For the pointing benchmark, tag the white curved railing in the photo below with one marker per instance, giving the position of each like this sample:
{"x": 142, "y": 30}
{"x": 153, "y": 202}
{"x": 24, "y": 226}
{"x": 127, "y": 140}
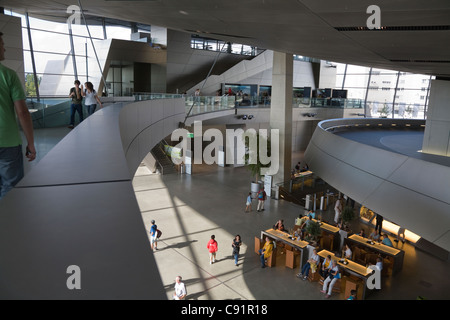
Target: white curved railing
{"x": 408, "y": 189}
{"x": 77, "y": 208}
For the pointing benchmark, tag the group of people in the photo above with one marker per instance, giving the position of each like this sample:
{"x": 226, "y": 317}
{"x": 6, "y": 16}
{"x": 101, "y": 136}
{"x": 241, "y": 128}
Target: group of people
{"x": 261, "y": 196}
{"x": 212, "y": 247}
{"x": 77, "y": 94}
{"x": 12, "y": 105}
{"x": 329, "y": 270}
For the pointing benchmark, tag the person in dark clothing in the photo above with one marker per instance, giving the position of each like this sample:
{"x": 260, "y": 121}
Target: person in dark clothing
{"x": 379, "y": 224}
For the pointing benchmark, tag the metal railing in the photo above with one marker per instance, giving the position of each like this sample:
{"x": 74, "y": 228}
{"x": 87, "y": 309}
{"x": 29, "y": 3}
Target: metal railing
{"x": 50, "y": 112}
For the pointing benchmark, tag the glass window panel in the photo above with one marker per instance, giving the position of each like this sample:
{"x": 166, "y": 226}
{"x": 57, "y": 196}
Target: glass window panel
{"x": 50, "y": 42}
{"x": 28, "y": 67}
{"x": 356, "y": 93}
{"x": 47, "y": 25}
{"x": 339, "y": 79}
{"x": 25, "y": 41}
{"x": 53, "y": 63}
{"x": 414, "y": 81}
{"x": 352, "y": 69}
{"x": 114, "y": 32}
{"x": 81, "y": 30}
{"x": 356, "y": 81}
{"x": 380, "y": 102}
{"x": 377, "y": 71}
{"x": 340, "y": 68}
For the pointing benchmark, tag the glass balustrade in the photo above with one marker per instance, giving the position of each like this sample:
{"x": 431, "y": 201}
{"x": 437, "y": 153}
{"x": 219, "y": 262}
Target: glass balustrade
{"x": 55, "y": 111}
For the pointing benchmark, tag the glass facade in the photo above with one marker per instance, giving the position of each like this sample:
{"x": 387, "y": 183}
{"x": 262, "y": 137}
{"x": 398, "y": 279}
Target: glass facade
{"x": 55, "y": 66}
{"x": 201, "y": 43}
{"x": 387, "y": 93}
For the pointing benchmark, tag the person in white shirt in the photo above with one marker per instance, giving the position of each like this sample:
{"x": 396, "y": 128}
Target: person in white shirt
{"x": 337, "y": 209}
{"x": 90, "y": 98}
{"x": 333, "y": 276}
{"x": 347, "y": 252}
{"x": 180, "y": 289}
{"x": 312, "y": 263}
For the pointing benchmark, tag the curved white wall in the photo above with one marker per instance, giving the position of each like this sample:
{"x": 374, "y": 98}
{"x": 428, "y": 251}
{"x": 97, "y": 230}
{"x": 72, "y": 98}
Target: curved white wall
{"x": 409, "y": 191}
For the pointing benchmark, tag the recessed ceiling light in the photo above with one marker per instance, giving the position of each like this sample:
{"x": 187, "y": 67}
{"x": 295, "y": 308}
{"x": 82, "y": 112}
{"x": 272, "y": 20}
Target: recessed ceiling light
{"x": 183, "y": 12}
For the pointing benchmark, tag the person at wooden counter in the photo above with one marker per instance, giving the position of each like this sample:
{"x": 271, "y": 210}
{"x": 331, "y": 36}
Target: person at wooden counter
{"x": 329, "y": 282}
{"x": 375, "y": 236}
{"x": 311, "y": 213}
{"x": 266, "y": 251}
{"x": 325, "y": 268}
{"x": 386, "y": 241}
{"x": 347, "y": 252}
{"x": 312, "y": 263}
{"x": 379, "y": 263}
{"x": 280, "y": 226}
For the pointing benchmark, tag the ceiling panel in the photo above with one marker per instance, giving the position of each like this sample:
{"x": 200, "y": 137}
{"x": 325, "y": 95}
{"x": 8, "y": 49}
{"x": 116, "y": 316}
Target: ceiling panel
{"x": 305, "y": 27}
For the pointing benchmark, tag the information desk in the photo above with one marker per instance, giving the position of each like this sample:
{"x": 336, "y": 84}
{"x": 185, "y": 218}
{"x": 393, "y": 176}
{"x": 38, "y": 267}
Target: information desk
{"x": 396, "y": 255}
{"x": 353, "y": 268}
{"x": 284, "y": 237}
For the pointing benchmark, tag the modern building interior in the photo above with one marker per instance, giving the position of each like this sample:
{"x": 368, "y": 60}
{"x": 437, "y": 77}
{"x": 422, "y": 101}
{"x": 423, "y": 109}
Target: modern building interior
{"x": 354, "y": 98}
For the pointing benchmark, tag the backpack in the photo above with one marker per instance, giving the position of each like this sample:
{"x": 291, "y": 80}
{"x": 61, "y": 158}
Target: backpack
{"x": 158, "y": 233}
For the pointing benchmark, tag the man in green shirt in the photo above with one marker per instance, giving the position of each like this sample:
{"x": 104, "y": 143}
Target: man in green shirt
{"x": 12, "y": 102}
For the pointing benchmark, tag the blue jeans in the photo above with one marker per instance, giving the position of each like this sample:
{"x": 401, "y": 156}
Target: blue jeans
{"x": 263, "y": 263}
{"x": 78, "y": 108}
{"x": 91, "y": 108}
{"x": 236, "y": 256}
{"x": 11, "y": 168}
{"x": 305, "y": 270}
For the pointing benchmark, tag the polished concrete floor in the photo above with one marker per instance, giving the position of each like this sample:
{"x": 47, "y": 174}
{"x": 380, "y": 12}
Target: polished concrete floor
{"x": 190, "y": 208}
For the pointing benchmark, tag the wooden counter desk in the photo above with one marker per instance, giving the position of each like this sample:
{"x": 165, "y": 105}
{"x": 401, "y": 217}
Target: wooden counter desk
{"x": 395, "y": 255}
{"x": 353, "y": 268}
{"x": 284, "y": 237}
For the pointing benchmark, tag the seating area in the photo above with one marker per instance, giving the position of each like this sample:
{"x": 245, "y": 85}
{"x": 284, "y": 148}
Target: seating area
{"x": 349, "y": 280}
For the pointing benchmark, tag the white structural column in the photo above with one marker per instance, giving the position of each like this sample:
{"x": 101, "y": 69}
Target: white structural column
{"x": 281, "y": 111}
{"x": 437, "y": 130}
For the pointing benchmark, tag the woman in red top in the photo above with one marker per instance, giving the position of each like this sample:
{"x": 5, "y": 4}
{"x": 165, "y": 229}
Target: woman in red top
{"x": 212, "y": 248}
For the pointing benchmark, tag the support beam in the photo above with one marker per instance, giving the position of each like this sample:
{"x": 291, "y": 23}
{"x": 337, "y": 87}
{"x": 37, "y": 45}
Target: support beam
{"x": 281, "y": 110}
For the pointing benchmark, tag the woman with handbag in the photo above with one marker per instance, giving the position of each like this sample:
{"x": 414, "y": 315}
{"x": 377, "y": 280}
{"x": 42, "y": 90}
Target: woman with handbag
{"x": 237, "y": 242}
{"x": 333, "y": 276}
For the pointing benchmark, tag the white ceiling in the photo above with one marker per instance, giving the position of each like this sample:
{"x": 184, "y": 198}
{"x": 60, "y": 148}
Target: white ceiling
{"x": 305, "y": 27}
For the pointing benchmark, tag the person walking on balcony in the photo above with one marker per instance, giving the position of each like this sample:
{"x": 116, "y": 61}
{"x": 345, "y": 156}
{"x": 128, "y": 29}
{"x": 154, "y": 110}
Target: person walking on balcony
{"x": 197, "y": 97}
{"x": 12, "y": 103}
{"x": 90, "y": 98}
{"x": 76, "y": 106}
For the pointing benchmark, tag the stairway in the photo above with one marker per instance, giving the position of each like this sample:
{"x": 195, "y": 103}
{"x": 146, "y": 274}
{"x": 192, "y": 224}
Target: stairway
{"x": 165, "y": 164}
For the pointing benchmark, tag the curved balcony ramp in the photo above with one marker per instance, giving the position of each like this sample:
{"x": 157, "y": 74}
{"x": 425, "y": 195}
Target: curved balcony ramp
{"x": 77, "y": 207}
{"x": 408, "y": 188}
